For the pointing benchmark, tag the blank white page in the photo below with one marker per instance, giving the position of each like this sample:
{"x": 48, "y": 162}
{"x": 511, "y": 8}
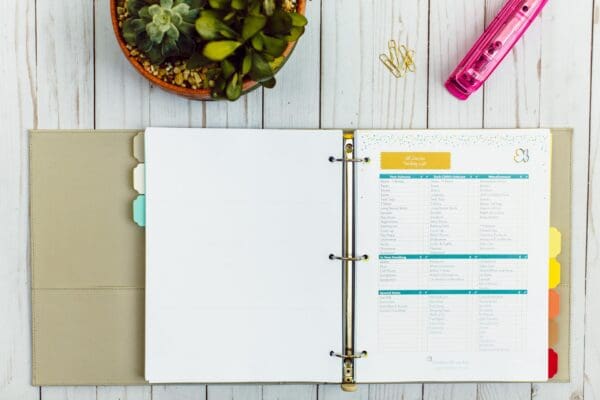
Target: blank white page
{"x": 239, "y": 226}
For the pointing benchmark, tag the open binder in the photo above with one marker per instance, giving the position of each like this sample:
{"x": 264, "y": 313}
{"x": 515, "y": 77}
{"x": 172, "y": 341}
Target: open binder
{"x": 88, "y": 291}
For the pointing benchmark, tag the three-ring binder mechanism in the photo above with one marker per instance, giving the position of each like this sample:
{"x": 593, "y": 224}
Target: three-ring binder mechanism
{"x": 348, "y": 260}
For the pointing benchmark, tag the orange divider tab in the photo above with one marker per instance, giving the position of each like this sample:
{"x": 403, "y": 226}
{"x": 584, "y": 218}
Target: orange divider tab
{"x": 415, "y": 160}
{"x": 552, "y": 363}
{"x": 553, "y": 304}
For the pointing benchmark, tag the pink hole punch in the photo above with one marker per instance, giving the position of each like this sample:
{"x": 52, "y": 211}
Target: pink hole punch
{"x": 493, "y": 46}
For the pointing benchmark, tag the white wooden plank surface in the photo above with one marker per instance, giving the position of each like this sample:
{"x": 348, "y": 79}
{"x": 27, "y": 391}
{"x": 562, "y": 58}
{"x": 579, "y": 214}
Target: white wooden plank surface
{"x": 289, "y": 392}
{"x": 69, "y": 393}
{"x": 454, "y": 26}
{"x": 512, "y": 95}
{"x": 592, "y": 300}
{"x": 17, "y": 114}
{"x": 357, "y": 90}
{"x": 333, "y": 392}
{"x": 178, "y": 392}
{"x": 234, "y": 392}
{"x": 396, "y": 391}
{"x": 123, "y": 393}
{"x": 546, "y": 81}
{"x": 65, "y": 63}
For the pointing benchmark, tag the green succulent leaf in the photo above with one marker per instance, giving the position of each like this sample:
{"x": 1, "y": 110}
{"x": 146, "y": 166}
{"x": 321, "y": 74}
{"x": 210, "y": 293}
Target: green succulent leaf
{"x": 186, "y": 28}
{"x": 144, "y": 13}
{"x": 132, "y": 28}
{"x": 144, "y": 43}
{"x": 254, "y": 7}
{"x": 295, "y": 33}
{"x": 196, "y": 4}
{"x": 261, "y": 70}
{"x": 134, "y": 6}
{"x": 280, "y": 23}
{"x": 277, "y": 63}
{"x": 169, "y": 47}
{"x": 210, "y": 27}
{"x": 234, "y": 88}
{"x": 154, "y": 32}
{"x": 227, "y": 18}
{"x": 173, "y": 33}
{"x": 252, "y": 25}
{"x": 228, "y": 68}
{"x": 166, "y": 3}
{"x": 197, "y": 60}
{"x": 190, "y": 16}
{"x": 219, "y": 4}
{"x": 238, "y": 4}
{"x": 154, "y": 9}
{"x": 273, "y": 46}
{"x": 207, "y": 25}
{"x": 220, "y": 49}
{"x": 176, "y": 19}
{"x": 269, "y": 7}
{"x": 228, "y": 33}
{"x": 155, "y": 55}
{"x": 163, "y": 20}
{"x": 246, "y": 64}
{"x": 181, "y": 9}
{"x": 298, "y": 19}
{"x": 257, "y": 42}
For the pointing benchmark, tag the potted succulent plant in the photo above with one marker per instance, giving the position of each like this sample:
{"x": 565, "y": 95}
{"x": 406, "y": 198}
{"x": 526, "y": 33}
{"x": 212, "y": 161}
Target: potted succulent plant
{"x": 208, "y": 49}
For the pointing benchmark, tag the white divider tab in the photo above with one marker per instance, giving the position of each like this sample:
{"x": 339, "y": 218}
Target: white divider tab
{"x": 139, "y": 179}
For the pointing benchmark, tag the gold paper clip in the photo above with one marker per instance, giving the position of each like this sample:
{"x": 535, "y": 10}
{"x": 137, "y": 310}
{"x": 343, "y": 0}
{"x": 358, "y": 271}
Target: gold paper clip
{"x": 408, "y": 58}
{"x": 393, "y": 48}
{"x": 390, "y": 65}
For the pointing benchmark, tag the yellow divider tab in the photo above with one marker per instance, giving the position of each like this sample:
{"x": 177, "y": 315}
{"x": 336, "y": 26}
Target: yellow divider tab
{"x": 554, "y": 273}
{"x": 555, "y": 242}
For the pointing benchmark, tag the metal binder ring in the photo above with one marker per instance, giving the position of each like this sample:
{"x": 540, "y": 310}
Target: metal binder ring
{"x": 353, "y": 160}
{"x": 362, "y": 354}
{"x": 364, "y": 257}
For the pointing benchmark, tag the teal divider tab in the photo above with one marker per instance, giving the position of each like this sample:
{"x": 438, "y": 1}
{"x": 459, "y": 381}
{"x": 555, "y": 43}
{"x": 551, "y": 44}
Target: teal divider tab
{"x": 139, "y": 210}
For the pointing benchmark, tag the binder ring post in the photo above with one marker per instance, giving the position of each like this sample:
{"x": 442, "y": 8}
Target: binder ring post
{"x": 348, "y": 259}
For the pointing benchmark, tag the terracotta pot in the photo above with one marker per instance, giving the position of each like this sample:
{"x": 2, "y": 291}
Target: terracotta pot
{"x": 196, "y": 94}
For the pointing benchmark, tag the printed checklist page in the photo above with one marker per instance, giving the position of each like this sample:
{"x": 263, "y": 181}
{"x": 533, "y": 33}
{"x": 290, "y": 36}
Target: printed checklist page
{"x": 456, "y": 226}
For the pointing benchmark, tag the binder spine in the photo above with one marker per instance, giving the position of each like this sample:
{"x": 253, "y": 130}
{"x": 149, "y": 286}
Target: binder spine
{"x": 348, "y": 260}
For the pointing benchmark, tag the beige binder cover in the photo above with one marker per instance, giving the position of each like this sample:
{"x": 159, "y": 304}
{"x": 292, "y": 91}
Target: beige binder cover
{"x": 87, "y": 257}
{"x": 87, "y": 260}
